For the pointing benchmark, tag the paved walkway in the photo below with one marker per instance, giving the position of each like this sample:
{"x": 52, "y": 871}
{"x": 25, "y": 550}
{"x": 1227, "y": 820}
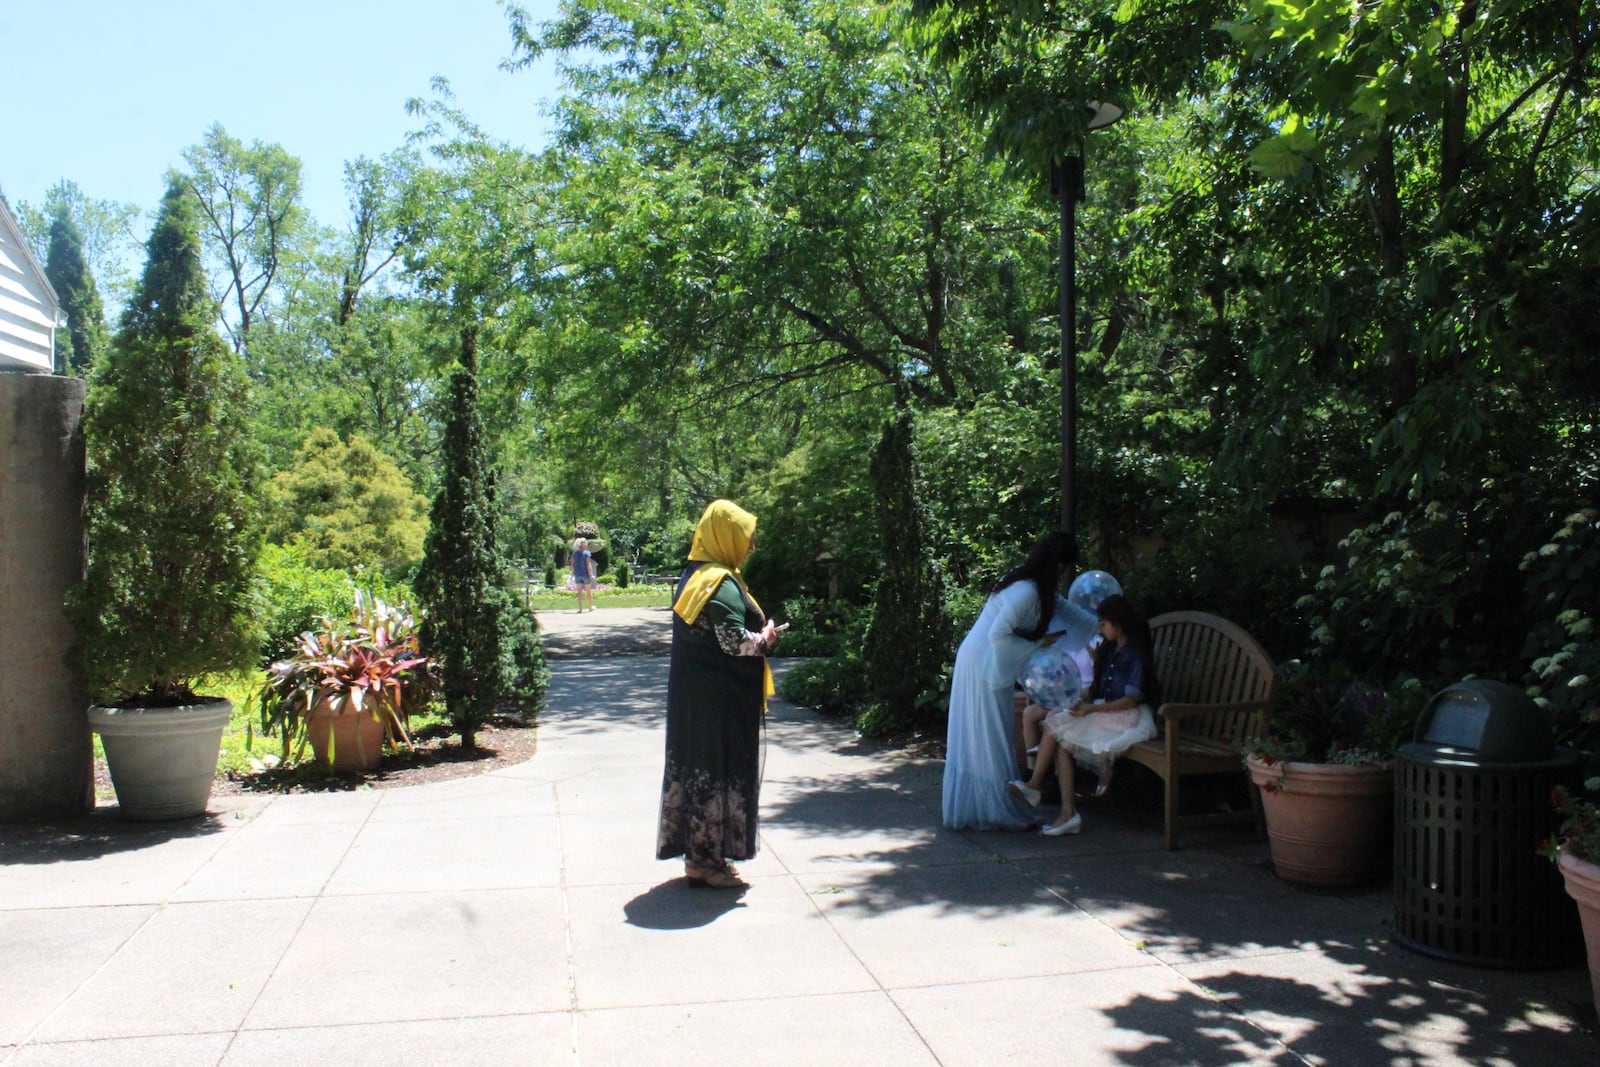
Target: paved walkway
{"x": 519, "y": 917}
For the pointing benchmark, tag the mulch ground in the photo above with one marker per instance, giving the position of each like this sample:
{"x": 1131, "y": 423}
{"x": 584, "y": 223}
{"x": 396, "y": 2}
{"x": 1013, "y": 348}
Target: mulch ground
{"x": 510, "y": 738}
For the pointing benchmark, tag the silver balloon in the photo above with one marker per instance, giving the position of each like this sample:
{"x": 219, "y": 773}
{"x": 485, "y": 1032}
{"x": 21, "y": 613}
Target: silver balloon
{"x": 1091, "y": 587}
{"x": 1051, "y": 677}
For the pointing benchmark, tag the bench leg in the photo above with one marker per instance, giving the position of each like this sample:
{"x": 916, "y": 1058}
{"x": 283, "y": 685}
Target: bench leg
{"x": 1261, "y": 815}
{"x": 1170, "y": 810}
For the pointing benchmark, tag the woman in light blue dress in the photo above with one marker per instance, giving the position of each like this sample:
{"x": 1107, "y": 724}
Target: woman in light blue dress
{"x": 980, "y": 754}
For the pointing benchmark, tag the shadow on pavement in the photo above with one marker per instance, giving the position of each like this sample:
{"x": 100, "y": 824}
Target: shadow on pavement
{"x": 672, "y": 905}
{"x": 101, "y": 833}
{"x": 1368, "y": 1004}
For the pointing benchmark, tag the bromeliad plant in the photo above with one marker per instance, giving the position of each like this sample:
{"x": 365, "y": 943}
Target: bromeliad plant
{"x": 367, "y": 664}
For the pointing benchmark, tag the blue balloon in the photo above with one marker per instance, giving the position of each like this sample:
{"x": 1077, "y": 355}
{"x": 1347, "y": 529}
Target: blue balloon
{"x": 1091, "y": 587}
{"x": 1050, "y": 677}
{"x": 1077, "y": 626}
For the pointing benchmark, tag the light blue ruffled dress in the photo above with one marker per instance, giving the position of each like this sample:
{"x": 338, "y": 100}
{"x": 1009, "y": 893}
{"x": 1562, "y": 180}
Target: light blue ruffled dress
{"x": 980, "y": 756}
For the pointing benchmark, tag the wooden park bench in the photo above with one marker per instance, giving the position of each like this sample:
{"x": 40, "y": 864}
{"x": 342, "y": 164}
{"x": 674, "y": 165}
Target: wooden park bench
{"x": 1216, "y": 682}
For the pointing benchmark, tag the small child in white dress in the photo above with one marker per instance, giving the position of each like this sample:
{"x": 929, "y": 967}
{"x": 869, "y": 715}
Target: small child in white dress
{"x": 1094, "y": 733}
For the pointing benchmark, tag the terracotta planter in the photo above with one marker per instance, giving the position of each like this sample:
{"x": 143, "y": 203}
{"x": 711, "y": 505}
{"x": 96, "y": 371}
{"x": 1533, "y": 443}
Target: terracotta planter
{"x": 1328, "y": 825}
{"x": 1583, "y": 886}
{"x": 162, "y": 760}
{"x": 352, "y": 741}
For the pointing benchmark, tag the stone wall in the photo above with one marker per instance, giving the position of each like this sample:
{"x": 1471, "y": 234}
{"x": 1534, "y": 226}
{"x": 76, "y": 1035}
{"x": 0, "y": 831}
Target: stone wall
{"x": 46, "y": 753}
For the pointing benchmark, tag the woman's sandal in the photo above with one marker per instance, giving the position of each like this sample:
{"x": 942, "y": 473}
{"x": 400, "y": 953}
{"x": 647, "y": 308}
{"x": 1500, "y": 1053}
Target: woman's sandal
{"x": 713, "y": 876}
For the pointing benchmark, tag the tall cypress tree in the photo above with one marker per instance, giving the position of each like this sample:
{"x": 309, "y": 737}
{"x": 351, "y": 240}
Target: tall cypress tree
{"x": 170, "y": 488}
{"x": 459, "y": 583}
{"x": 908, "y": 638}
{"x": 69, "y": 274}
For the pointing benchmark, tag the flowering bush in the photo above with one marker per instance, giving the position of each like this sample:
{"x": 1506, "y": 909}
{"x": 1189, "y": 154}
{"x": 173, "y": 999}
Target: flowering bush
{"x": 1326, "y": 716}
{"x": 1579, "y": 832}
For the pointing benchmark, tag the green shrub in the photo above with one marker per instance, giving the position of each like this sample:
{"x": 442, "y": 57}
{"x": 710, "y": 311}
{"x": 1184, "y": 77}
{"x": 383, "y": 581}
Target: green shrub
{"x": 292, "y": 595}
{"x": 816, "y": 627}
{"x": 908, "y": 634}
{"x": 1563, "y": 579}
{"x": 834, "y": 686}
{"x": 464, "y": 628}
{"x": 349, "y": 506}
{"x": 529, "y": 676}
{"x": 550, "y": 576}
{"x": 623, "y": 574}
{"x": 170, "y": 493}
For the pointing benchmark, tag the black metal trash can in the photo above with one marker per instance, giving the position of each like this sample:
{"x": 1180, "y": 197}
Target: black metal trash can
{"x": 1472, "y": 806}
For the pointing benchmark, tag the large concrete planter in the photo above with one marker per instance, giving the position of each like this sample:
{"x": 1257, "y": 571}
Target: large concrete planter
{"x": 162, "y": 760}
{"x": 1583, "y": 886}
{"x": 1328, "y": 824}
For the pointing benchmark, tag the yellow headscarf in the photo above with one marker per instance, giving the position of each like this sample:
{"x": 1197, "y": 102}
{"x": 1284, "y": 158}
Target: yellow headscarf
{"x": 721, "y": 541}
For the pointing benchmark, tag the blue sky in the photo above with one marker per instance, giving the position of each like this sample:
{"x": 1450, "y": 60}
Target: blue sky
{"x": 108, "y": 93}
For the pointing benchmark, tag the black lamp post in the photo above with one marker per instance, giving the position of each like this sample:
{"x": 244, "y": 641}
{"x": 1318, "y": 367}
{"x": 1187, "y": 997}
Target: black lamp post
{"x": 1066, "y": 183}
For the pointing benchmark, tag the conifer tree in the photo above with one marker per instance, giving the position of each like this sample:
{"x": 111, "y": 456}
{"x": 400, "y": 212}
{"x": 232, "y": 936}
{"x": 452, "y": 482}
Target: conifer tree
{"x": 69, "y": 274}
{"x": 170, "y": 488}
{"x": 908, "y": 637}
{"x": 465, "y": 627}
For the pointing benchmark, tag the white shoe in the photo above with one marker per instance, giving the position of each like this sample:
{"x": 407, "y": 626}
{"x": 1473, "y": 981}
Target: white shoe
{"x": 1023, "y": 791}
{"x": 1071, "y": 826}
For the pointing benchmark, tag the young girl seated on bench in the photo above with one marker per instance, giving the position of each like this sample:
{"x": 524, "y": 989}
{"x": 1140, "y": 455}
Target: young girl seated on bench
{"x": 1116, "y": 717}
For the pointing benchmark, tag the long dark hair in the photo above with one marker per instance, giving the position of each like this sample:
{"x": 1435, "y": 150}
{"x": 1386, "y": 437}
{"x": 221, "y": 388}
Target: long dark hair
{"x": 1120, "y": 612}
{"x": 1046, "y": 560}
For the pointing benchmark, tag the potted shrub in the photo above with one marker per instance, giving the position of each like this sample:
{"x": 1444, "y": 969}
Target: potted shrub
{"x": 347, "y": 687}
{"x": 169, "y": 500}
{"x": 1576, "y": 850}
{"x": 1324, "y": 765}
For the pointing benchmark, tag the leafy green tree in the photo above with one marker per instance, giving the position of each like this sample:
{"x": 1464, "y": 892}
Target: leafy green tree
{"x": 1383, "y": 208}
{"x": 171, "y": 501}
{"x": 80, "y": 298}
{"x": 105, "y": 227}
{"x": 348, "y": 506}
{"x": 760, "y": 222}
{"x": 468, "y": 613}
{"x": 249, "y": 198}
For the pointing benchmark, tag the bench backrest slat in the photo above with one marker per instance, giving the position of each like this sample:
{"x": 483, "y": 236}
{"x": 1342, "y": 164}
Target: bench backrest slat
{"x": 1205, "y": 659}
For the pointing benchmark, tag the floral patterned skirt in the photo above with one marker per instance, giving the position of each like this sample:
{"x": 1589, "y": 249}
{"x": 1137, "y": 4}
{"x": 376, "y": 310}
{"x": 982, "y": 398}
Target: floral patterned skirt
{"x": 705, "y": 818}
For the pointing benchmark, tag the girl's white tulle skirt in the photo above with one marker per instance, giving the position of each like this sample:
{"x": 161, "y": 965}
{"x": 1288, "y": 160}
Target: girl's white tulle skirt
{"x": 1098, "y": 738}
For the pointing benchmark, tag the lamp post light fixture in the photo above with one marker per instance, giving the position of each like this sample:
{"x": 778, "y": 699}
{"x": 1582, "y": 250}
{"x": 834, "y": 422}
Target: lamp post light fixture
{"x": 1066, "y": 184}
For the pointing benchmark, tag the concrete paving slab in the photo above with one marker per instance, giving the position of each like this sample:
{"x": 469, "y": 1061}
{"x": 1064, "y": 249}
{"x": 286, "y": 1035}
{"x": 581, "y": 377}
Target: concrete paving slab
{"x": 670, "y": 944}
{"x": 1194, "y": 904}
{"x": 191, "y": 969}
{"x": 106, "y": 861}
{"x": 1144, "y": 1015}
{"x": 344, "y": 808}
{"x": 842, "y": 1029}
{"x": 417, "y": 956}
{"x": 993, "y": 921}
{"x": 126, "y": 1052}
{"x": 425, "y": 856}
{"x": 74, "y": 942}
{"x": 484, "y": 796}
{"x": 263, "y": 862}
{"x": 492, "y": 1041}
{"x": 609, "y": 849}
{"x": 797, "y": 831}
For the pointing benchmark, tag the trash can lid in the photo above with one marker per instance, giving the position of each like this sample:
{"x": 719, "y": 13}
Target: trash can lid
{"x": 1487, "y": 720}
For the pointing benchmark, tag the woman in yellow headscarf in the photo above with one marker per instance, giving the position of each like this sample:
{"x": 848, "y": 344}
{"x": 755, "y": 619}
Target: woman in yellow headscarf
{"x": 716, "y": 692}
